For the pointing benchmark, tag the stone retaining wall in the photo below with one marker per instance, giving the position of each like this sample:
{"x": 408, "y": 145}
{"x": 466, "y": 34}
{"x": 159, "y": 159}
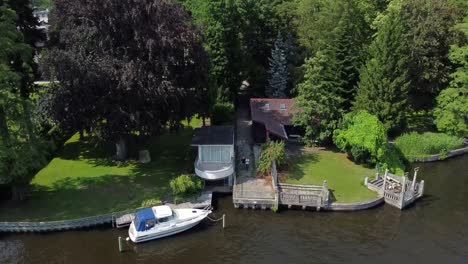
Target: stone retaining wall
{"x": 51, "y": 226}
{"x": 437, "y": 157}
{"x": 355, "y": 206}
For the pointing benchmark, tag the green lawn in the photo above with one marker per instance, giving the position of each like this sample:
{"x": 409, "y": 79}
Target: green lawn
{"x": 82, "y": 180}
{"x": 345, "y": 178}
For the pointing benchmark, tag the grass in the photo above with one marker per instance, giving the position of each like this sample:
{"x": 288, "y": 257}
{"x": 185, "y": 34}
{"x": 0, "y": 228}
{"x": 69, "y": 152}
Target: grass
{"x": 345, "y": 179}
{"x": 83, "y": 181}
{"x": 414, "y": 145}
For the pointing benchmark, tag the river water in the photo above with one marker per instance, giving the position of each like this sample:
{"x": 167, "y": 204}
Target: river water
{"x": 434, "y": 230}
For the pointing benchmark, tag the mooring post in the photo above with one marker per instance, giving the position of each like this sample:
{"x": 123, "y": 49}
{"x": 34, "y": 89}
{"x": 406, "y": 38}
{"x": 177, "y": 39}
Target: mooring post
{"x": 121, "y": 245}
{"x": 224, "y": 221}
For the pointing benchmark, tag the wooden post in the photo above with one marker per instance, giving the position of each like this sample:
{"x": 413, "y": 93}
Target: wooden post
{"x": 403, "y": 190}
{"x": 224, "y": 221}
{"x": 121, "y": 245}
{"x": 413, "y": 184}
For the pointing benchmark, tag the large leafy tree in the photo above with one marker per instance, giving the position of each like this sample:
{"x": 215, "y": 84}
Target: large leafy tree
{"x": 452, "y": 104}
{"x": 219, "y": 21}
{"x": 429, "y": 34}
{"x": 125, "y": 67}
{"x": 21, "y": 153}
{"x": 384, "y": 83}
{"x": 259, "y": 25}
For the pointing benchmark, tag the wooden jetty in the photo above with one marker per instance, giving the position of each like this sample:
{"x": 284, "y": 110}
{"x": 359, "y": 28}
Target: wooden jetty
{"x": 397, "y": 191}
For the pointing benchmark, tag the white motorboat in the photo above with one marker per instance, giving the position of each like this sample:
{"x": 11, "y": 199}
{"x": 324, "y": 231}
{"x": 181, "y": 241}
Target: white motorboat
{"x": 162, "y": 221}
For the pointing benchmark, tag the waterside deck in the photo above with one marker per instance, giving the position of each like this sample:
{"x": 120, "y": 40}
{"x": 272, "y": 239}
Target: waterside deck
{"x": 397, "y": 191}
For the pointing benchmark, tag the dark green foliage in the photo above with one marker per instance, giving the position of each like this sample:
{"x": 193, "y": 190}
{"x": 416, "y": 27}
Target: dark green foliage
{"x": 258, "y": 24}
{"x": 331, "y": 75}
{"x": 122, "y": 74}
{"x": 414, "y": 145}
{"x": 319, "y": 97}
{"x": 239, "y": 36}
{"x": 222, "y": 113}
{"x": 22, "y": 154}
{"x": 316, "y": 20}
{"x": 360, "y": 154}
{"x": 429, "y": 26}
{"x": 279, "y": 75}
{"x": 452, "y": 104}
{"x": 271, "y": 152}
{"x": 219, "y": 21}
{"x": 384, "y": 82}
{"x": 186, "y": 185}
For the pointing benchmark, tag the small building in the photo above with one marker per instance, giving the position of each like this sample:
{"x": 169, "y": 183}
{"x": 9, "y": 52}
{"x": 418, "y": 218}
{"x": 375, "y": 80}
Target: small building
{"x": 215, "y": 160}
{"x": 272, "y": 120}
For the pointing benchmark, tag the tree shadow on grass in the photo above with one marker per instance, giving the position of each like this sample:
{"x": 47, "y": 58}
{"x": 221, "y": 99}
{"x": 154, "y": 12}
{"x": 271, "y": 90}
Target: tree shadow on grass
{"x": 74, "y": 197}
{"x": 81, "y": 197}
{"x": 332, "y": 197}
{"x": 296, "y": 168}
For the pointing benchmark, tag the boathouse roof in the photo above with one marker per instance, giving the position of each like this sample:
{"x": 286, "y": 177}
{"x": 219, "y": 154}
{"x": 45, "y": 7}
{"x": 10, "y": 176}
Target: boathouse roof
{"x": 273, "y": 113}
{"x": 213, "y": 135}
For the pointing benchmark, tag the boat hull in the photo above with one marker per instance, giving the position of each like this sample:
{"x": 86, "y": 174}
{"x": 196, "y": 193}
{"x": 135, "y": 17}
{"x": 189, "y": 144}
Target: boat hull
{"x": 169, "y": 230}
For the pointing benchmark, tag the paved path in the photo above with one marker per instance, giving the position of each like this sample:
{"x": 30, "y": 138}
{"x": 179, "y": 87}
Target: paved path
{"x": 247, "y": 181}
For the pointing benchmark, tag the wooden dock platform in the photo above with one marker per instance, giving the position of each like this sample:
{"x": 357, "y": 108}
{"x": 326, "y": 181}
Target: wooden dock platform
{"x": 397, "y": 191}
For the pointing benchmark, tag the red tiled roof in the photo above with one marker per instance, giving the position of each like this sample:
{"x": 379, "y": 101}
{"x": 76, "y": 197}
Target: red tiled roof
{"x": 273, "y": 117}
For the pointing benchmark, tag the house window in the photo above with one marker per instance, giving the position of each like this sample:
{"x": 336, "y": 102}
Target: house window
{"x": 219, "y": 154}
{"x": 267, "y": 106}
{"x": 283, "y": 106}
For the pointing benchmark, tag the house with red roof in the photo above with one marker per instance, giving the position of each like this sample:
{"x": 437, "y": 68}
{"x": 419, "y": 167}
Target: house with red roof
{"x": 272, "y": 119}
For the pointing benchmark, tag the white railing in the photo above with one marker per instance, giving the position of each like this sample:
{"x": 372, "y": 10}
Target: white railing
{"x": 212, "y": 174}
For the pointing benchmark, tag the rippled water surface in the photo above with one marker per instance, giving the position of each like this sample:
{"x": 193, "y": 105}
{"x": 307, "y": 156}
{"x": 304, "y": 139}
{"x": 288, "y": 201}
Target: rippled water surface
{"x": 434, "y": 230}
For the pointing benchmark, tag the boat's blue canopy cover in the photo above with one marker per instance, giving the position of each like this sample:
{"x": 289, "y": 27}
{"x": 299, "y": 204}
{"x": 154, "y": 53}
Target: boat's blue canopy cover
{"x": 142, "y": 217}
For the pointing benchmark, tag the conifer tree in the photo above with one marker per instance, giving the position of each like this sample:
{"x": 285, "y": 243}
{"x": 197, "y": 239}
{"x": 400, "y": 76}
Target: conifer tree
{"x": 383, "y": 85}
{"x": 319, "y": 97}
{"x": 279, "y": 75}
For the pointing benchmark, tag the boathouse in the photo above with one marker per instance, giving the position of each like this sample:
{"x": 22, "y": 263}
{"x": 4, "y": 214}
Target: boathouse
{"x": 215, "y": 149}
{"x": 272, "y": 120}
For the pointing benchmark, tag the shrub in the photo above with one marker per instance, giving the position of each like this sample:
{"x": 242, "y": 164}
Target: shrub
{"x": 150, "y": 203}
{"x": 414, "y": 145}
{"x": 392, "y": 159}
{"x": 222, "y": 112}
{"x": 452, "y": 111}
{"x": 362, "y": 132}
{"x": 186, "y": 185}
{"x": 360, "y": 154}
{"x": 271, "y": 151}
{"x": 364, "y": 138}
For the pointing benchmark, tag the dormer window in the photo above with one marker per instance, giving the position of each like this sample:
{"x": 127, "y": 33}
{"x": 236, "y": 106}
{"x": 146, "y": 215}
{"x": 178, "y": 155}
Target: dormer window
{"x": 282, "y": 107}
